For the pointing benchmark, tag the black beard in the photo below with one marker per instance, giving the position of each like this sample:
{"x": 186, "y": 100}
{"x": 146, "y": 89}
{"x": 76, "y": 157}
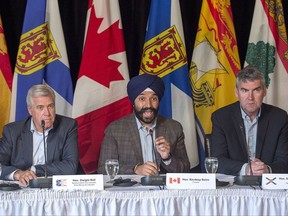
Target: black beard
{"x": 139, "y": 114}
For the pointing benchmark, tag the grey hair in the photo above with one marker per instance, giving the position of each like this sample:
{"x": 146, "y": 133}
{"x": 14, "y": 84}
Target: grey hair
{"x": 250, "y": 73}
{"x": 41, "y": 90}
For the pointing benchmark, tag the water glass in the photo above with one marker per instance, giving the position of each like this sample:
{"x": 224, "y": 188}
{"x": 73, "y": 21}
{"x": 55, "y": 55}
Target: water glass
{"x": 211, "y": 164}
{"x": 112, "y": 168}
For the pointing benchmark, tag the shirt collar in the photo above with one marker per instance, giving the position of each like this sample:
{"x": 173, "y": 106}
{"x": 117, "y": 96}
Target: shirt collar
{"x": 140, "y": 125}
{"x": 245, "y": 116}
{"x": 33, "y": 128}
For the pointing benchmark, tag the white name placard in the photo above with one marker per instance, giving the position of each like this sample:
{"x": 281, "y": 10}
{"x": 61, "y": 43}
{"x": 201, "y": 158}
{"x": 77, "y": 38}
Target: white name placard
{"x": 87, "y": 182}
{"x": 274, "y": 181}
{"x": 190, "y": 181}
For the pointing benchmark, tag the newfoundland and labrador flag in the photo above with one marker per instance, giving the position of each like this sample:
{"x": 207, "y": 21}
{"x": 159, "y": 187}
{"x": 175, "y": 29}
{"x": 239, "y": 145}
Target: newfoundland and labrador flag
{"x": 5, "y": 80}
{"x": 164, "y": 55}
{"x": 41, "y": 58}
{"x": 215, "y": 62}
{"x": 100, "y": 95}
{"x": 268, "y": 50}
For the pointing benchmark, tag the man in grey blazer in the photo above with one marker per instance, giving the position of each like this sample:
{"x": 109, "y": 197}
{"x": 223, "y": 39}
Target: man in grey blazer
{"x": 144, "y": 142}
{"x": 248, "y": 136}
{"x": 22, "y": 145}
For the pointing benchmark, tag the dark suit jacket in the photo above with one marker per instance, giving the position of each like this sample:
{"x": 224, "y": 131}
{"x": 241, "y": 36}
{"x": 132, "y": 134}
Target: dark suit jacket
{"x": 16, "y": 147}
{"x": 227, "y": 140}
{"x": 122, "y": 142}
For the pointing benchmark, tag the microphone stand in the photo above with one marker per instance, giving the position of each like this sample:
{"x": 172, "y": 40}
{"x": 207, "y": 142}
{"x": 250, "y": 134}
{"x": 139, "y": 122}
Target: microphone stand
{"x": 156, "y": 180}
{"x": 246, "y": 145}
{"x": 45, "y": 146}
{"x": 247, "y": 179}
{"x": 42, "y": 182}
{"x": 154, "y": 150}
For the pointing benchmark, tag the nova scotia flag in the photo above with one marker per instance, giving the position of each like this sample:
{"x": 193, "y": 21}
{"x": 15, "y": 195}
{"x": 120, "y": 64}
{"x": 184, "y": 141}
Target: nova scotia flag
{"x": 41, "y": 58}
{"x": 164, "y": 55}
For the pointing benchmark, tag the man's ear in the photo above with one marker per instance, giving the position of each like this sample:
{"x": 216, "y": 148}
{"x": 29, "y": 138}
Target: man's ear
{"x": 236, "y": 92}
{"x": 29, "y": 110}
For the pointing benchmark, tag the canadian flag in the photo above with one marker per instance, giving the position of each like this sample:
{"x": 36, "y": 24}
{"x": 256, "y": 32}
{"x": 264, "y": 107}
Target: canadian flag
{"x": 174, "y": 180}
{"x": 100, "y": 95}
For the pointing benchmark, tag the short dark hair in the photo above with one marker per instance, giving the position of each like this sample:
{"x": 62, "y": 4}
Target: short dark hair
{"x": 250, "y": 73}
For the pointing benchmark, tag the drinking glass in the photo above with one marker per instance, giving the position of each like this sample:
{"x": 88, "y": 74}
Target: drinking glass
{"x": 112, "y": 168}
{"x": 211, "y": 164}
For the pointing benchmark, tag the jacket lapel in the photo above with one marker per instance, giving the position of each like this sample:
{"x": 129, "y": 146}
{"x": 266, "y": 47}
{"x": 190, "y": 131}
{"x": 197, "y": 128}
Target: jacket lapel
{"x": 52, "y": 140}
{"x": 261, "y": 133}
{"x": 135, "y": 137}
{"x": 27, "y": 142}
{"x": 240, "y": 128}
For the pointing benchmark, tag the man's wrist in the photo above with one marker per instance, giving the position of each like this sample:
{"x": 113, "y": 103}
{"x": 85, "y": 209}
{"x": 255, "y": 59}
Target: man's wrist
{"x": 136, "y": 166}
{"x": 16, "y": 175}
{"x": 168, "y": 158}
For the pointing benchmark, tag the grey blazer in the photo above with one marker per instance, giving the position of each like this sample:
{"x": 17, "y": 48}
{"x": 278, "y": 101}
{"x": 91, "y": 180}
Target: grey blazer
{"x": 122, "y": 142}
{"x": 227, "y": 142}
{"x": 16, "y": 147}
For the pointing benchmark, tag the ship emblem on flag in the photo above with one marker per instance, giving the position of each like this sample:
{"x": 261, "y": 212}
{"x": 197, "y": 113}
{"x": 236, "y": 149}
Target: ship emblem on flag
{"x": 37, "y": 48}
{"x": 163, "y": 53}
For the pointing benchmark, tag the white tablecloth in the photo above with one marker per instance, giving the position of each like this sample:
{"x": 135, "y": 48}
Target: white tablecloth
{"x": 122, "y": 201}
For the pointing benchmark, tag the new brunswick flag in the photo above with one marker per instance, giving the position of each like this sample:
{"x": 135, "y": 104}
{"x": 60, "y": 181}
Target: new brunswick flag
{"x": 164, "y": 55}
{"x": 268, "y": 49}
{"x": 215, "y": 62}
{"x": 41, "y": 58}
{"x": 5, "y": 80}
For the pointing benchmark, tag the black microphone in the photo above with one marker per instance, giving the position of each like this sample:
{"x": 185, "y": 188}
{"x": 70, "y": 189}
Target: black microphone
{"x": 208, "y": 147}
{"x": 42, "y": 182}
{"x": 154, "y": 150}
{"x": 247, "y": 179}
{"x": 246, "y": 145}
{"x": 156, "y": 180}
{"x": 45, "y": 147}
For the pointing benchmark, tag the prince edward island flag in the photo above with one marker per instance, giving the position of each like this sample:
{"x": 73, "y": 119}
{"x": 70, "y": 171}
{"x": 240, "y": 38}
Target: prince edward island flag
{"x": 164, "y": 55}
{"x": 268, "y": 50}
{"x": 41, "y": 58}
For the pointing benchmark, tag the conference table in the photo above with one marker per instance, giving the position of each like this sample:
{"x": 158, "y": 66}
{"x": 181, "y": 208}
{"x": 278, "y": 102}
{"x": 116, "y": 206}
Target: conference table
{"x": 145, "y": 200}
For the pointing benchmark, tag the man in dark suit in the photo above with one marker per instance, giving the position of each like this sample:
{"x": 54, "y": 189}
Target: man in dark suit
{"x": 143, "y": 142}
{"x": 22, "y": 146}
{"x": 250, "y": 137}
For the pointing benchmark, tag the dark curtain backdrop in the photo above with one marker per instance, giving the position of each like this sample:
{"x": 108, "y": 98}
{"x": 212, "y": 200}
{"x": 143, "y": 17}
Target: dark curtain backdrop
{"x": 134, "y": 17}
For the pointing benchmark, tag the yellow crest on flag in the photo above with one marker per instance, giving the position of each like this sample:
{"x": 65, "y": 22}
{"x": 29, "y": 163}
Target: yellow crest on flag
{"x": 37, "y": 48}
{"x": 163, "y": 53}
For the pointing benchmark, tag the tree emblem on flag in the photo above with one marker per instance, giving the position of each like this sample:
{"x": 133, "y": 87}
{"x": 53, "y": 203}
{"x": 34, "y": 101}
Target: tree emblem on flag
{"x": 262, "y": 56}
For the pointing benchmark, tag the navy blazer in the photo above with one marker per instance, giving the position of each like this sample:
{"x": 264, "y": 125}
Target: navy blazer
{"x": 227, "y": 142}
{"x": 16, "y": 147}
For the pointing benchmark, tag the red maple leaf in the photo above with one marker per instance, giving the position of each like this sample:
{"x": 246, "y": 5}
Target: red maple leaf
{"x": 95, "y": 63}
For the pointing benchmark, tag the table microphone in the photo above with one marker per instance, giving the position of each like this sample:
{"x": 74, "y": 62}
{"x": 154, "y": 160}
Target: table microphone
{"x": 247, "y": 179}
{"x": 45, "y": 182}
{"x": 156, "y": 179}
{"x": 154, "y": 150}
{"x": 246, "y": 144}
